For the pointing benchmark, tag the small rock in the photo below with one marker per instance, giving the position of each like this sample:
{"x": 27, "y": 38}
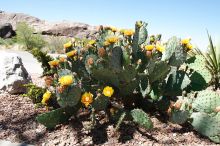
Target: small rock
{"x": 174, "y": 134}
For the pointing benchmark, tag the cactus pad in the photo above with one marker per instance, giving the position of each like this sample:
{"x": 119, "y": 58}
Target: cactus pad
{"x": 160, "y": 71}
{"x": 177, "y": 82}
{"x": 174, "y": 52}
{"x": 206, "y": 101}
{"x": 201, "y": 75}
{"x": 207, "y": 125}
{"x": 100, "y": 103}
{"x": 69, "y": 97}
{"x": 141, "y": 118}
{"x": 179, "y": 116}
{"x": 55, "y": 117}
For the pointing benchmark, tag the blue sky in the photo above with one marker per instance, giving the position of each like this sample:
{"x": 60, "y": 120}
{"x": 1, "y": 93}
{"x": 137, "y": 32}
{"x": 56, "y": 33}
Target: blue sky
{"x": 184, "y": 18}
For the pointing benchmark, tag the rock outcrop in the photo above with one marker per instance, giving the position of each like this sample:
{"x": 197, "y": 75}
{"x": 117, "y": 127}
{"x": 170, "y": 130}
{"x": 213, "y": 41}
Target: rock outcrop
{"x": 6, "y": 30}
{"x": 64, "y": 28}
{"x": 13, "y": 74}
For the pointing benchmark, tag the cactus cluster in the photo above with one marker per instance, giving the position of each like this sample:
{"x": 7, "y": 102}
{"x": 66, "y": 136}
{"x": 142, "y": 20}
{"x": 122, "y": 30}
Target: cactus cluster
{"x": 127, "y": 73}
{"x": 201, "y": 110}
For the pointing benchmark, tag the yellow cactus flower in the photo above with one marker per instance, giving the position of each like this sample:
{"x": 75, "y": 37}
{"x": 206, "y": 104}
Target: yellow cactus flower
{"x": 128, "y": 32}
{"x": 160, "y": 48}
{"x": 106, "y": 43}
{"x": 92, "y": 42}
{"x": 67, "y": 45}
{"x": 66, "y": 80}
{"x": 46, "y": 97}
{"x": 149, "y": 47}
{"x": 113, "y": 29}
{"x": 112, "y": 39}
{"x": 185, "y": 41}
{"x": 53, "y": 63}
{"x": 87, "y": 98}
{"x": 71, "y": 53}
{"x": 108, "y": 91}
{"x": 189, "y": 46}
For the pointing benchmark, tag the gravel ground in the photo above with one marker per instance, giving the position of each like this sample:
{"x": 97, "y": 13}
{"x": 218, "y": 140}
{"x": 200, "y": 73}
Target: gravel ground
{"x": 17, "y": 124}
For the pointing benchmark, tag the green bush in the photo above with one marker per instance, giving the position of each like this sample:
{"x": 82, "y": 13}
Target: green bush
{"x": 34, "y": 92}
{"x": 27, "y": 37}
{"x": 7, "y": 42}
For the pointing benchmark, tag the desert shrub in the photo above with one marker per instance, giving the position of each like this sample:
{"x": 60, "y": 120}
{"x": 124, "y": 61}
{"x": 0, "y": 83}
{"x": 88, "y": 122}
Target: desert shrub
{"x": 26, "y": 36}
{"x": 8, "y": 42}
{"x": 34, "y": 92}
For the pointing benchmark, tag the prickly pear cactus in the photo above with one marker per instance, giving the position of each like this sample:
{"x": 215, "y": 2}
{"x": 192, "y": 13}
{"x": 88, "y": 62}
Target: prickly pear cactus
{"x": 144, "y": 85}
{"x": 201, "y": 75}
{"x": 90, "y": 61}
{"x": 55, "y": 117}
{"x": 141, "y": 118}
{"x": 115, "y": 58}
{"x": 174, "y": 53}
{"x": 123, "y": 79}
{"x": 206, "y": 101}
{"x": 141, "y": 33}
{"x": 177, "y": 82}
{"x": 159, "y": 71}
{"x": 179, "y": 116}
{"x": 139, "y": 37}
{"x": 70, "y": 96}
{"x": 101, "y": 103}
{"x": 207, "y": 125}
{"x": 106, "y": 75}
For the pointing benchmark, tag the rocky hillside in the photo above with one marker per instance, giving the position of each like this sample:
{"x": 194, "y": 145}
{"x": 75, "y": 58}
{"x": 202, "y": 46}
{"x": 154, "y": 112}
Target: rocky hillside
{"x": 64, "y": 28}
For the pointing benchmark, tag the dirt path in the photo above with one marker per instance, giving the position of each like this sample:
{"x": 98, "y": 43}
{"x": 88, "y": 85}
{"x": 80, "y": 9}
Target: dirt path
{"x": 17, "y": 124}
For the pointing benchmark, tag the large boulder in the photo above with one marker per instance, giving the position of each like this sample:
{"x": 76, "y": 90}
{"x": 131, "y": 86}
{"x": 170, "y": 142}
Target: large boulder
{"x": 13, "y": 74}
{"x": 6, "y": 30}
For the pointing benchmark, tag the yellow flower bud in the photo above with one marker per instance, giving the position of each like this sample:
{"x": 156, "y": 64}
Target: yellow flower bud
{"x": 112, "y": 39}
{"x": 160, "y": 48}
{"x": 185, "y": 41}
{"x": 108, "y": 91}
{"x": 46, "y": 97}
{"x": 149, "y": 47}
{"x": 71, "y": 53}
{"x": 92, "y": 42}
{"x": 67, "y": 45}
{"x": 53, "y": 63}
{"x": 128, "y": 32}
